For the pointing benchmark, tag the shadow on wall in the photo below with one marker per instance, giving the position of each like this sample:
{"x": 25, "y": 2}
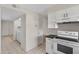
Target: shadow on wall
{"x": 69, "y": 27}
{"x": 64, "y": 27}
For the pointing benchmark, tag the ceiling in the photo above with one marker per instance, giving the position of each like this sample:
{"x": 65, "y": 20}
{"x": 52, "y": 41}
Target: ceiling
{"x": 38, "y": 8}
{"x": 43, "y": 8}
{"x": 10, "y": 14}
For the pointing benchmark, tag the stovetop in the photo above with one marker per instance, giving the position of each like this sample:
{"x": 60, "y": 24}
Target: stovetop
{"x": 60, "y": 37}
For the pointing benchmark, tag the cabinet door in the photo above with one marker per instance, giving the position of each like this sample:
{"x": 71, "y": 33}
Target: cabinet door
{"x": 60, "y": 15}
{"x": 52, "y": 20}
{"x": 49, "y": 45}
{"x": 73, "y": 11}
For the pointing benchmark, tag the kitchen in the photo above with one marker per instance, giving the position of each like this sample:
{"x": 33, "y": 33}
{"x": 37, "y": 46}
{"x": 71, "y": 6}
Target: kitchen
{"x": 53, "y": 31}
{"x": 66, "y": 28}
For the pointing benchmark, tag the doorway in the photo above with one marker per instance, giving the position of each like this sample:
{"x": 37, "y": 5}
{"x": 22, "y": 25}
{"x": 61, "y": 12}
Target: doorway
{"x": 12, "y": 27}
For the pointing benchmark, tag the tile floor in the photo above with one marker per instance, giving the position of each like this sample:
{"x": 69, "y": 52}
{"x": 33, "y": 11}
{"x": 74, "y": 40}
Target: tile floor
{"x": 38, "y": 50}
{"x": 9, "y": 46}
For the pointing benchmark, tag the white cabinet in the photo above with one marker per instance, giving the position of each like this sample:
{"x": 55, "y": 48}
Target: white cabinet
{"x": 62, "y": 16}
{"x": 73, "y": 11}
{"x": 69, "y": 14}
{"x": 65, "y": 15}
{"x": 52, "y": 20}
{"x": 49, "y": 45}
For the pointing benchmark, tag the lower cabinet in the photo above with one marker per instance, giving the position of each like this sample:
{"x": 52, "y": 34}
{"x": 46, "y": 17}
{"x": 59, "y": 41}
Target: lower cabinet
{"x": 49, "y": 45}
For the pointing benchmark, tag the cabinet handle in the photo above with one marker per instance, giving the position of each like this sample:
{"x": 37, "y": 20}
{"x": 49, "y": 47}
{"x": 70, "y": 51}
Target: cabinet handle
{"x": 67, "y": 14}
{"x": 64, "y": 15}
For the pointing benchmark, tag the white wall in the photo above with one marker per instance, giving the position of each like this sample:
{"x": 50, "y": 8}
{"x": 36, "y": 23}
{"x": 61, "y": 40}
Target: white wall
{"x": 34, "y": 28}
{"x": 43, "y": 27}
{"x": 23, "y": 43}
{"x": 31, "y": 31}
{"x": 0, "y": 30}
{"x": 43, "y": 23}
{"x": 6, "y": 28}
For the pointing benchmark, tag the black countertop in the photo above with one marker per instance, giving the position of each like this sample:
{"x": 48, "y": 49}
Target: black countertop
{"x": 63, "y": 38}
{"x": 51, "y": 36}
{"x": 68, "y": 39}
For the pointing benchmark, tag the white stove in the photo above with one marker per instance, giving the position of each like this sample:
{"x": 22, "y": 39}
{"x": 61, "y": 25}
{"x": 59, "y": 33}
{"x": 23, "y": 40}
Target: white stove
{"x": 68, "y": 34}
{"x": 66, "y": 43}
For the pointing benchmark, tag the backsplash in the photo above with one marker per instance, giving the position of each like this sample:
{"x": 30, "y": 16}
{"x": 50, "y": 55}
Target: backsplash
{"x": 69, "y": 27}
{"x": 64, "y": 27}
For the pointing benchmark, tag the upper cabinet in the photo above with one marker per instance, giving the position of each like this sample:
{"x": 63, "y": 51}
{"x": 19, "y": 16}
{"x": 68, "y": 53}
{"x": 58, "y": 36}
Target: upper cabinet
{"x": 63, "y": 16}
{"x": 73, "y": 11}
{"x": 68, "y": 15}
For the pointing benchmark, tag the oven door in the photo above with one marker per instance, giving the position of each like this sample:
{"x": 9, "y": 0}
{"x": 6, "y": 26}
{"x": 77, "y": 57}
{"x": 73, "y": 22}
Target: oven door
{"x": 65, "y": 47}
